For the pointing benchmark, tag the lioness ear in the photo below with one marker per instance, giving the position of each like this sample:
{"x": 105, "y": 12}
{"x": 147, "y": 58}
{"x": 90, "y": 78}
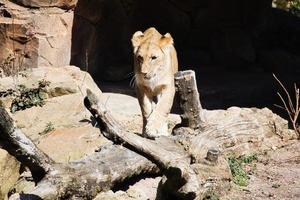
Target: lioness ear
{"x": 166, "y": 40}
{"x": 136, "y": 39}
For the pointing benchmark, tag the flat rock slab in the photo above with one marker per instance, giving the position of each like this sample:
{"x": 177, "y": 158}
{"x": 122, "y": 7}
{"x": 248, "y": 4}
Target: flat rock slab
{"x": 73, "y": 143}
{"x": 73, "y": 130}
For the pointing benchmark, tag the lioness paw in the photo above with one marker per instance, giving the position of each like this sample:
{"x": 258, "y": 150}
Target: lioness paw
{"x": 156, "y": 132}
{"x": 156, "y": 127}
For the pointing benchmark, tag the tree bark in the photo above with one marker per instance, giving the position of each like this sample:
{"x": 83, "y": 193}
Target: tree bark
{"x": 190, "y": 104}
{"x": 85, "y": 178}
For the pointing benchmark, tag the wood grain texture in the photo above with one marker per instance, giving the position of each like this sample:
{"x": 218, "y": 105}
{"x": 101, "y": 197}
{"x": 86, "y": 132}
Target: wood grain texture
{"x": 190, "y": 104}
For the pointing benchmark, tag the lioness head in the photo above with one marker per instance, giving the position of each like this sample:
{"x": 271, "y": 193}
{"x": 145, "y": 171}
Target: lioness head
{"x": 151, "y": 53}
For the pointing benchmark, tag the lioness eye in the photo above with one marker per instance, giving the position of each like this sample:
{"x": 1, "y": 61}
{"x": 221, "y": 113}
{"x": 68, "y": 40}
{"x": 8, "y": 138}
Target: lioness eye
{"x": 153, "y": 57}
{"x": 140, "y": 58}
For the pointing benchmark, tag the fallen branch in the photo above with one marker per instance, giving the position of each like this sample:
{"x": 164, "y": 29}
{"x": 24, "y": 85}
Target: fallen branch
{"x": 84, "y": 178}
{"x": 173, "y": 161}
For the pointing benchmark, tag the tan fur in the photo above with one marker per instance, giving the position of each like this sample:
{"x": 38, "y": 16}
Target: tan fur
{"x": 155, "y": 63}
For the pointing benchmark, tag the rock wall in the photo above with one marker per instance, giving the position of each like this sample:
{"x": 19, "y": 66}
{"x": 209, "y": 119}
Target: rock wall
{"x": 34, "y": 37}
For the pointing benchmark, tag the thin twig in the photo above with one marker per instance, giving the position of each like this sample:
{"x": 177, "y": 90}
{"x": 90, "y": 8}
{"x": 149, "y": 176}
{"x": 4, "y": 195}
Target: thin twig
{"x": 291, "y": 109}
{"x": 285, "y": 106}
{"x": 281, "y": 107}
{"x": 286, "y": 92}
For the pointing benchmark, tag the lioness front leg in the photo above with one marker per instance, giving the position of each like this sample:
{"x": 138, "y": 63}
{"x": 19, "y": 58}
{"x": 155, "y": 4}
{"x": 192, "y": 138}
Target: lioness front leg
{"x": 145, "y": 102}
{"x": 156, "y": 123}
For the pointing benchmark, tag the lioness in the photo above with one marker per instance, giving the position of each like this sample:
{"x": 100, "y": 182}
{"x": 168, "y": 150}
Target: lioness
{"x": 155, "y": 63}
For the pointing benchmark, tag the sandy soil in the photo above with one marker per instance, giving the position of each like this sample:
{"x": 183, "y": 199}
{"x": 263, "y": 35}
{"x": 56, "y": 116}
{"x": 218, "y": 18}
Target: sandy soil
{"x": 276, "y": 175}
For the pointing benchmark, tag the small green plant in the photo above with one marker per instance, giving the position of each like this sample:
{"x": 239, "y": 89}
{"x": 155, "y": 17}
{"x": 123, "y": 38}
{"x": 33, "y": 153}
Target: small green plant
{"x": 27, "y": 97}
{"x": 295, "y": 7}
{"x": 49, "y": 127}
{"x": 240, "y": 176}
{"x": 247, "y": 159}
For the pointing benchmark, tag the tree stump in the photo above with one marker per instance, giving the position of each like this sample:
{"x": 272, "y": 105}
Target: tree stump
{"x": 186, "y": 85}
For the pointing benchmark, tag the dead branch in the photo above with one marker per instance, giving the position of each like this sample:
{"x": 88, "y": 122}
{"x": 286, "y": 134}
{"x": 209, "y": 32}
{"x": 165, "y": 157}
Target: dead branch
{"x": 288, "y": 105}
{"x": 174, "y": 163}
{"x": 85, "y": 178}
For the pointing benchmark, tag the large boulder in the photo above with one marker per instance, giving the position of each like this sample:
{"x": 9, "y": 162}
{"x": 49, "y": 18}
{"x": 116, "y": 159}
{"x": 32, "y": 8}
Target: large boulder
{"x": 9, "y": 173}
{"x": 63, "y": 118}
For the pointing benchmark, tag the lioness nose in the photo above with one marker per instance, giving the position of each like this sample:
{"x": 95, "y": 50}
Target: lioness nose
{"x": 144, "y": 71}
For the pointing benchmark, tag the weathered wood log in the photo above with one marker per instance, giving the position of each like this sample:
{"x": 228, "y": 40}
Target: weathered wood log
{"x": 85, "y": 178}
{"x": 23, "y": 149}
{"x": 240, "y": 131}
{"x": 172, "y": 159}
{"x": 186, "y": 86}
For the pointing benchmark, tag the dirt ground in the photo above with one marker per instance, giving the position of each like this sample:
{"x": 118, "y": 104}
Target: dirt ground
{"x": 276, "y": 175}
